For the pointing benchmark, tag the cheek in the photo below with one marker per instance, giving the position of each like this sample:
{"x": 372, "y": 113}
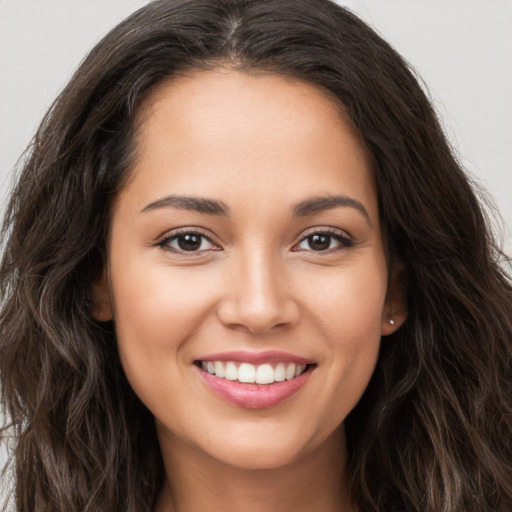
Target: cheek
{"x": 159, "y": 303}
{"x": 348, "y": 313}
{"x": 348, "y": 302}
{"x": 157, "y": 312}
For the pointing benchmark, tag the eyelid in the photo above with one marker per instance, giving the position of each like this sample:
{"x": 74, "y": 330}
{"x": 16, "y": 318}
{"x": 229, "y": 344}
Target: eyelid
{"x": 325, "y": 229}
{"x": 345, "y": 239}
{"x": 165, "y": 239}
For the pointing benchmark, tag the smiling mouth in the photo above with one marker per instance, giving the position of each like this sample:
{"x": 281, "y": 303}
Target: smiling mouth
{"x": 248, "y": 373}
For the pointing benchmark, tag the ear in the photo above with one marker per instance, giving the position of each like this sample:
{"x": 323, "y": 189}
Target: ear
{"x": 102, "y": 303}
{"x": 394, "y": 312}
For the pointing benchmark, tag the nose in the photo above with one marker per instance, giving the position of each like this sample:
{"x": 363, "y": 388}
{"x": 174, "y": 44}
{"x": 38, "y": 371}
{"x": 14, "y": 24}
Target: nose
{"x": 258, "y": 296}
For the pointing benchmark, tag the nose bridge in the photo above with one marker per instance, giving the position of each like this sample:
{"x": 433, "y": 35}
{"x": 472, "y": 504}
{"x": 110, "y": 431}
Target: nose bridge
{"x": 258, "y": 296}
{"x": 259, "y": 280}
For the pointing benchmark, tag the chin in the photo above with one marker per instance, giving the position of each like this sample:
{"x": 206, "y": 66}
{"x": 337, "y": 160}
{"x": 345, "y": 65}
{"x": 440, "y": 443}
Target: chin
{"x": 253, "y": 458}
{"x": 268, "y": 449}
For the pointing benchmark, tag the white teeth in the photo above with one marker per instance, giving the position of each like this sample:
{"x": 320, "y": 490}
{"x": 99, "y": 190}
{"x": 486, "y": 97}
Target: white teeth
{"x": 246, "y": 372}
{"x": 264, "y": 374}
{"x": 280, "y": 373}
{"x": 219, "y": 369}
{"x": 290, "y": 371}
{"x": 299, "y": 369}
{"x": 231, "y": 371}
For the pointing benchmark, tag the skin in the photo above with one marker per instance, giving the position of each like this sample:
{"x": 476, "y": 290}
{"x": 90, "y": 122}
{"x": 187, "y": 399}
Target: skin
{"x": 260, "y": 144}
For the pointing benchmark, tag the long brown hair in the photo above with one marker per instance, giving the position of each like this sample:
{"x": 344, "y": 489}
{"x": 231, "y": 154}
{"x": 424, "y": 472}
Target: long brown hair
{"x": 432, "y": 432}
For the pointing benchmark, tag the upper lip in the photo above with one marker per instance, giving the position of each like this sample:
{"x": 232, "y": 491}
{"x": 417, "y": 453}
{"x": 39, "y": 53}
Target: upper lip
{"x": 256, "y": 358}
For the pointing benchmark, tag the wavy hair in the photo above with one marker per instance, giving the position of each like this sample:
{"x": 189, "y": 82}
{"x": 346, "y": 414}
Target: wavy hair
{"x": 432, "y": 433}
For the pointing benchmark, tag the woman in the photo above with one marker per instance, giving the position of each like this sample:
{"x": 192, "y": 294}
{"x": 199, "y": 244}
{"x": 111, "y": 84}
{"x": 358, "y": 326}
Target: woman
{"x": 243, "y": 271}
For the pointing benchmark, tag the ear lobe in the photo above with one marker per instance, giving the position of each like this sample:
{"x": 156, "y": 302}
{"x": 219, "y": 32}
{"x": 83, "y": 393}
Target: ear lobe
{"x": 395, "y": 310}
{"x": 102, "y": 304}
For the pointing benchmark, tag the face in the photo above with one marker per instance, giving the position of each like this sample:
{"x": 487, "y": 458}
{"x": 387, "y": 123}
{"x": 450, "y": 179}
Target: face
{"x": 246, "y": 273}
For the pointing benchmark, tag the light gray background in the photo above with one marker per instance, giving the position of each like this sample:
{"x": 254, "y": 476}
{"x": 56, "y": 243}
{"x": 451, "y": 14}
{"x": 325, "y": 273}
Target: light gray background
{"x": 462, "y": 48}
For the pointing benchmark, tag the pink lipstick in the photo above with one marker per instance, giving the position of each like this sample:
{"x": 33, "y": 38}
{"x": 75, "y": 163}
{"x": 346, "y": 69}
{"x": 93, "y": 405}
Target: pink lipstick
{"x": 254, "y": 380}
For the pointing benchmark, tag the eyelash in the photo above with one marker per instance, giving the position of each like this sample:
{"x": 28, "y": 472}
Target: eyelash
{"x": 344, "y": 241}
{"x": 165, "y": 243}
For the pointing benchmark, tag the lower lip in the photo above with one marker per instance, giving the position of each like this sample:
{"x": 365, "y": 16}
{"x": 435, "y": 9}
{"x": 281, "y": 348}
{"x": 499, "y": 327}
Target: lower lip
{"x": 254, "y": 396}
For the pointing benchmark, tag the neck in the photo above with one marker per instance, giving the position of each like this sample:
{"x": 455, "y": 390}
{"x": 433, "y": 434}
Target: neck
{"x": 197, "y": 482}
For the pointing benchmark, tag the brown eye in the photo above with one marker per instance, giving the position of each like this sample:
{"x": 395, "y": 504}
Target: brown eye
{"x": 188, "y": 242}
{"x": 319, "y": 242}
{"x": 324, "y": 242}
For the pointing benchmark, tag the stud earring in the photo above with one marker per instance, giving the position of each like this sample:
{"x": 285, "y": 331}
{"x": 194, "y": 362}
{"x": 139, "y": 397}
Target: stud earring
{"x": 391, "y": 321}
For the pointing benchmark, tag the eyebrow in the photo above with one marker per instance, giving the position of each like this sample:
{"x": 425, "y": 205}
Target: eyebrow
{"x": 318, "y": 204}
{"x": 214, "y": 207}
{"x": 197, "y": 204}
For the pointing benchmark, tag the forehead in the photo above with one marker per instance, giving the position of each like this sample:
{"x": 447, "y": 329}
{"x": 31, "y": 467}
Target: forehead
{"x": 207, "y": 103}
{"x": 225, "y": 132}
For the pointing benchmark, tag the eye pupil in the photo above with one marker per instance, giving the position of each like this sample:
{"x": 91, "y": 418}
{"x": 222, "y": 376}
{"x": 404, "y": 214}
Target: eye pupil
{"x": 319, "y": 242}
{"x": 189, "y": 242}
